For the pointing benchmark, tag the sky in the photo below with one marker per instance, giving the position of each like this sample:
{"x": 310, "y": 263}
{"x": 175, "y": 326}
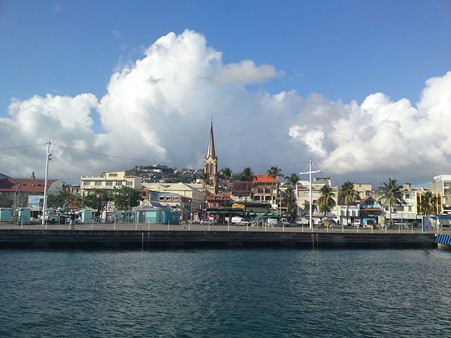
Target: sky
{"x": 360, "y": 87}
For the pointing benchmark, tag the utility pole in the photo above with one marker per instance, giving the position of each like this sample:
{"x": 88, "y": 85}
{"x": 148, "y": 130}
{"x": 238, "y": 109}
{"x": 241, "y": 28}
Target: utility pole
{"x": 310, "y": 172}
{"x": 47, "y": 158}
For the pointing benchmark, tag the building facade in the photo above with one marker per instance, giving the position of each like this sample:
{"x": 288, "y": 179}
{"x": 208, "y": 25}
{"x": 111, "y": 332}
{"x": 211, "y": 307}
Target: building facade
{"x": 109, "y": 180}
{"x": 441, "y": 184}
{"x": 264, "y": 189}
{"x": 14, "y": 192}
{"x": 191, "y": 193}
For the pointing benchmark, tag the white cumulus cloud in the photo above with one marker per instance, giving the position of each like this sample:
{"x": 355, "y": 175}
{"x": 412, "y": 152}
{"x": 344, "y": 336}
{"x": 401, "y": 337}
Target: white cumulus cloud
{"x": 158, "y": 109}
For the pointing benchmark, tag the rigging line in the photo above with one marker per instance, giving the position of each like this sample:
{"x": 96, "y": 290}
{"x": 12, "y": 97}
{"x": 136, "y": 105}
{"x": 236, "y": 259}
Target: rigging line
{"x": 267, "y": 165}
{"x": 173, "y": 164}
{"x": 62, "y": 169}
{"x": 102, "y": 154}
{"x": 23, "y": 152}
{"x": 165, "y": 163}
{"x": 29, "y": 146}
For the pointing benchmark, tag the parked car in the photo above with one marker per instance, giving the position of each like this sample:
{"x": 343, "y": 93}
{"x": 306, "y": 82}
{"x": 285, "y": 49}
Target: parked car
{"x": 207, "y": 222}
{"x": 284, "y": 223}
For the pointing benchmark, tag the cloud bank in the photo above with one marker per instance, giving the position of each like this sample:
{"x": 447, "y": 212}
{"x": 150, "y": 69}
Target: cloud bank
{"x": 158, "y": 110}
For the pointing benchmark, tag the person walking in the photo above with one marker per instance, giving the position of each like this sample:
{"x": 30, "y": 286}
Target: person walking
{"x": 72, "y": 220}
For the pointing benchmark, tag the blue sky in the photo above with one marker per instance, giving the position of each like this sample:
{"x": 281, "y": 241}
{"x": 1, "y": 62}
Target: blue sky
{"x": 344, "y": 51}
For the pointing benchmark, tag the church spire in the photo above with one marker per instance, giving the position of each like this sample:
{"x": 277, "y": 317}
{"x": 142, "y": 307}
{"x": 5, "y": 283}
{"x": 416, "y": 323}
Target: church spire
{"x": 211, "y": 163}
{"x": 211, "y": 144}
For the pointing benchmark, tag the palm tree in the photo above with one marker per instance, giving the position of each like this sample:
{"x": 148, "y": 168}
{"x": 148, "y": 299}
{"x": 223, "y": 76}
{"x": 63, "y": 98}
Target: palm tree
{"x": 293, "y": 179}
{"x": 428, "y": 204}
{"x": 390, "y": 195}
{"x": 275, "y": 172}
{"x": 247, "y": 174}
{"x": 290, "y": 201}
{"x": 326, "y": 201}
{"x": 226, "y": 174}
{"x": 348, "y": 195}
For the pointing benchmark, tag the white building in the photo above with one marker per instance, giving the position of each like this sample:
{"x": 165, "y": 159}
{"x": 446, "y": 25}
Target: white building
{"x": 191, "y": 191}
{"x": 441, "y": 184}
{"x": 108, "y": 180}
{"x": 303, "y": 193}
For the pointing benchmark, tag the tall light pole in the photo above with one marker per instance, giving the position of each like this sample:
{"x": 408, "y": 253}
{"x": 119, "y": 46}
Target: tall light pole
{"x": 310, "y": 172}
{"x": 47, "y": 158}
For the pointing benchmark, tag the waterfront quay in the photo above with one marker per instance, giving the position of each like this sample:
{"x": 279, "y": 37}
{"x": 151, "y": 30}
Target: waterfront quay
{"x": 149, "y": 236}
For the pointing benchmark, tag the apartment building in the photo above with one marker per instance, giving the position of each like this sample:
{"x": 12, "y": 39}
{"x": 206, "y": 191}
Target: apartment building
{"x": 108, "y": 180}
{"x": 441, "y": 184}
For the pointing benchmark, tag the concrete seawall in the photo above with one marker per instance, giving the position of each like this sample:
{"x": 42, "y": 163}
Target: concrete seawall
{"x": 209, "y": 239}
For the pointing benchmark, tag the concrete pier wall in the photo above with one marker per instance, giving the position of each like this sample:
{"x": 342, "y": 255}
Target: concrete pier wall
{"x": 212, "y": 239}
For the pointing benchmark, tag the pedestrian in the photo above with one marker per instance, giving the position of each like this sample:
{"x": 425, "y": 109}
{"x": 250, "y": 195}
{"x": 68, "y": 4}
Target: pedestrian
{"x": 72, "y": 220}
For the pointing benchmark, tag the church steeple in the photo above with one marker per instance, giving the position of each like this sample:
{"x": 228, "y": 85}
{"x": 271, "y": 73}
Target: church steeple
{"x": 211, "y": 163}
{"x": 211, "y": 144}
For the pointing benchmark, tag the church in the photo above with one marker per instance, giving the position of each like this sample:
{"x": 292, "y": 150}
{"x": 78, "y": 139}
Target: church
{"x": 211, "y": 165}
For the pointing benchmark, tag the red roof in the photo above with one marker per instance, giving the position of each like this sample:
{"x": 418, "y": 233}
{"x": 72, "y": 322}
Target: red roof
{"x": 264, "y": 178}
{"x": 24, "y": 184}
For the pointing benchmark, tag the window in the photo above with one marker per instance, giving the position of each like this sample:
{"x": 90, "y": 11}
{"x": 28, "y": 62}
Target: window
{"x": 109, "y": 183}
{"x": 98, "y": 183}
{"x": 129, "y": 184}
{"x": 85, "y": 183}
{"x": 112, "y": 175}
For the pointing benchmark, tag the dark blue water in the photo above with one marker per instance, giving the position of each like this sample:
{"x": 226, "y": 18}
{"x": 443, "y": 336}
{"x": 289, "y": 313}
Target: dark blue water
{"x": 225, "y": 293}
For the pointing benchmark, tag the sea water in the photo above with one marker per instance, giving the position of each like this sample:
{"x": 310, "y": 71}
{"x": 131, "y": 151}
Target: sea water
{"x": 225, "y": 293}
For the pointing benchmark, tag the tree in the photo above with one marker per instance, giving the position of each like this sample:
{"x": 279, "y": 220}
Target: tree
{"x": 347, "y": 195}
{"x": 275, "y": 172}
{"x": 428, "y": 204}
{"x": 293, "y": 180}
{"x": 126, "y": 198}
{"x": 390, "y": 195}
{"x": 307, "y": 207}
{"x": 247, "y": 174}
{"x": 226, "y": 174}
{"x": 58, "y": 201}
{"x": 290, "y": 201}
{"x": 5, "y": 201}
{"x": 96, "y": 199}
{"x": 326, "y": 201}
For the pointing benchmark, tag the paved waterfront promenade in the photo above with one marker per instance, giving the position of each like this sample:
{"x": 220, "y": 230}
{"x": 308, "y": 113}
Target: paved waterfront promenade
{"x": 149, "y": 236}
{"x": 198, "y": 227}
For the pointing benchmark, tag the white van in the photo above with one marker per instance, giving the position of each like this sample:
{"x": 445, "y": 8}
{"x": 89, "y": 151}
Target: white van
{"x": 238, "y": 220}
{"x": 356, "y": 222}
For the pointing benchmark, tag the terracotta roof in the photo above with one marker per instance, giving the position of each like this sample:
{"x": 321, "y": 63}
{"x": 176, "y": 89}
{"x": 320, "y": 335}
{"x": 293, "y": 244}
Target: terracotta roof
{"x": 264, "y": 178}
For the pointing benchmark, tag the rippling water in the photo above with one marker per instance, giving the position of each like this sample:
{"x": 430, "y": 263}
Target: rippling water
{"x": 225, "y": 293}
